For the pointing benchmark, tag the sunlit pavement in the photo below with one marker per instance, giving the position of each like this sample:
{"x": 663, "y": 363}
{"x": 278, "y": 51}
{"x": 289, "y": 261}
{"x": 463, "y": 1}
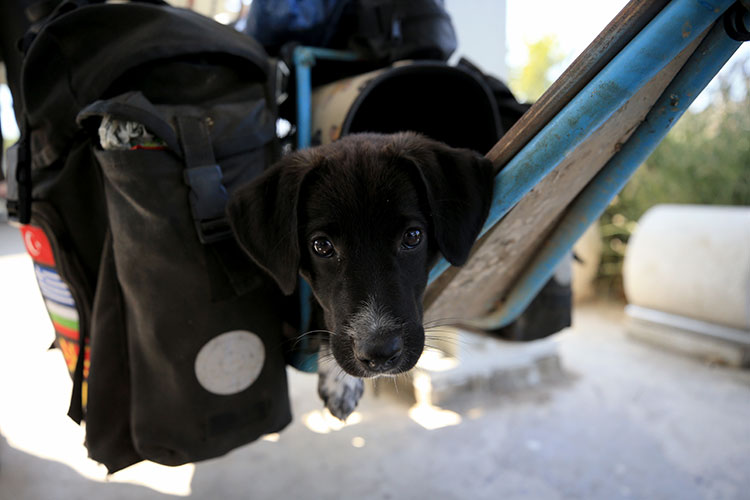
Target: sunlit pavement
{"x": 626, "y": 421}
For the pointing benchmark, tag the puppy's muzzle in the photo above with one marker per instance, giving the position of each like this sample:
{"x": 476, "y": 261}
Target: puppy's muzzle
{"x": 378, "y": 342}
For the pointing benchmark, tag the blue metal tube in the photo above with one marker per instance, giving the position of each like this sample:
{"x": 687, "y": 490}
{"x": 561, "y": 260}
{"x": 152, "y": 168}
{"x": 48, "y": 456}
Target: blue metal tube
{"x": 673, "y": 29}
{"x": 304, "y": 59}
{"x": 304, "y": 95}
{"x": 330, "y": 54}
{"x": 713, "y": 52}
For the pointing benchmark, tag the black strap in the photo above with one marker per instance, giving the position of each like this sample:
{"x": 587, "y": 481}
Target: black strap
{"x": 195, "y": 138}
{"x": 19, "y": 177}
{"x": 208, "y": 196}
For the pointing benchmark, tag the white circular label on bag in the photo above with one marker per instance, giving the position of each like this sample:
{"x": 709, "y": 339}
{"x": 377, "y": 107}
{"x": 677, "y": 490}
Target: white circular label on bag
{"x": 230, "y": 363}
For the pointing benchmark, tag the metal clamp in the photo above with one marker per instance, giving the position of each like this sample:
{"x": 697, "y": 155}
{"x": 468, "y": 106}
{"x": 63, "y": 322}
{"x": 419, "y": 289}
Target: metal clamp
{"x": 737, "y": 21}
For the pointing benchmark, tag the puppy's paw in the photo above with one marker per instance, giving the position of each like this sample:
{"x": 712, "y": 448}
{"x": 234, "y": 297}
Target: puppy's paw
{"x": 340, "y": 392}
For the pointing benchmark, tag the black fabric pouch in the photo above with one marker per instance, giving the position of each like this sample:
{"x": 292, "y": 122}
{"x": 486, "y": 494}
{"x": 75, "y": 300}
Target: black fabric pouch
{"x": 196, "y": 347}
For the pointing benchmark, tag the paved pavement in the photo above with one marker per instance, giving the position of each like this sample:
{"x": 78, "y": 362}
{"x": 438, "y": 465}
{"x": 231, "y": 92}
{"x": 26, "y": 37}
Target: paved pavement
{"x": 624, "y": 420}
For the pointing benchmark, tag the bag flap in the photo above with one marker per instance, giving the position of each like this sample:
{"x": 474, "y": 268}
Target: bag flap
{"x": 234, "y": 127}
{"x": 75, "y": 59}
{"x": 134, "y": 107}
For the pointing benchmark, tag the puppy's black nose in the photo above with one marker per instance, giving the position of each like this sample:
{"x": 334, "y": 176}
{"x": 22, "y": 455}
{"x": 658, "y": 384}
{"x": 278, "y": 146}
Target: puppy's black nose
{"x": 379, "y": 355}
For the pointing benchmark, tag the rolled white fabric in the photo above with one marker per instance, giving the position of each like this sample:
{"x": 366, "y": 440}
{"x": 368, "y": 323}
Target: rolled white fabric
{"x": 694, "y": 261}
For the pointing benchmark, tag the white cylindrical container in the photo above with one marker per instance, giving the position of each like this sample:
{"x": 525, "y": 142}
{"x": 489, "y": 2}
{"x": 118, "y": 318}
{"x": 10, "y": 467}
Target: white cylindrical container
{"x": 692, "y": 261}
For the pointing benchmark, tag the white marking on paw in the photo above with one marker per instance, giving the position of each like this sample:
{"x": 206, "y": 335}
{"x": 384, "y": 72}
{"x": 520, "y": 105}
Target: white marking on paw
{"x": 340, "y": 391}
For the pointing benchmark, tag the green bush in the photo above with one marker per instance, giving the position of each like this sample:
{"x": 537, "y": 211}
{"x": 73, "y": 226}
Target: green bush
{"x": 705, "y": 159}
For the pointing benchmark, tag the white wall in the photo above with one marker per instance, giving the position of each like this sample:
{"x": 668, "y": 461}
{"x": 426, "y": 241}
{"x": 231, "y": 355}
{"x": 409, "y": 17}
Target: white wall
{"x": 480, "y": 28}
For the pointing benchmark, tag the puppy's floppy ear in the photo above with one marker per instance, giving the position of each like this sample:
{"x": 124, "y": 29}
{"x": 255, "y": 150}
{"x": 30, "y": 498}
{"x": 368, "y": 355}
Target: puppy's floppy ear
{"x": 263, "y": 217}
{"x": 458, "y": 184}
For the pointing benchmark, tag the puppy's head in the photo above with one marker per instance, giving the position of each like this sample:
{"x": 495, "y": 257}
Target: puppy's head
{"x": 363, "y": 219}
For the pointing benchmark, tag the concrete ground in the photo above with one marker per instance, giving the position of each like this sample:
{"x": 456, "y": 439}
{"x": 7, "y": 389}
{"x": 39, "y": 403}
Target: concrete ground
{"x": 624, "y": 420}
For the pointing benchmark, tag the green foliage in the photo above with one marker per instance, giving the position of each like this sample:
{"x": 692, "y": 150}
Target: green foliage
{"x": 705, "y": 159}
{"x": 530, "y": 82}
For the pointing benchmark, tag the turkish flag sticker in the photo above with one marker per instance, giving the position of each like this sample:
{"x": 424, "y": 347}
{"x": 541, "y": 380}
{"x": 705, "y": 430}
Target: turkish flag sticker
{"x": 37, "y": 244}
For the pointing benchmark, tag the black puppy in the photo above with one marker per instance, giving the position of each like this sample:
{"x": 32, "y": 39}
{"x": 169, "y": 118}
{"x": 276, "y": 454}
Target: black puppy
{"x": 363, "y": 220}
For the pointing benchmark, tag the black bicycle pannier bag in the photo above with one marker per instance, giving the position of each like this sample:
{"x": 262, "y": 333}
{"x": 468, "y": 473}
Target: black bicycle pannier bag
{"x": 139, "y": 121}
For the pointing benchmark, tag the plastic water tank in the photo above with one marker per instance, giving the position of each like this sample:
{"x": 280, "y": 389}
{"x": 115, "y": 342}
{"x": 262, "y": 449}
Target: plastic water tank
{"x": 688, "y": 267}
{"x": 692, "y": 260}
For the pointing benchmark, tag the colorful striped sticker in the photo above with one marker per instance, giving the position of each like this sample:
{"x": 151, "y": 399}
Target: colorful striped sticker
{"x": 70, "y": 353}
{"x": 64, "y": 318}
{"x": 59, "y": 302}
{"x": 52, "y": 286}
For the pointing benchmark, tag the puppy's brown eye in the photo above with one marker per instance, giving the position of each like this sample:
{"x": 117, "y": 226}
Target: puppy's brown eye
{"x": 322, "y": 247}
{"x": 412, "y": 238}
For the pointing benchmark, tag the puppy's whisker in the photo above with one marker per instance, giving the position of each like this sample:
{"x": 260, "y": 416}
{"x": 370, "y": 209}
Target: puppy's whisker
{"x": 441, "y": 336}
{"x": 403, "y": 378}
{"x": 451, "y": 341}
{"x": 443, "y": 330}
{"x": 435, "y": 345}
{"x": 439, "y": 324}
{"x": 454, "y": 340}
{"x": 340, "y": 371}
{"x": 438, "y": 329}
{"x": 443, "y": 352}
{"x": 447, "y": 337}
{"x": 296, "y": 342}
{"x": 325, "y": 358}
{"x": 325, "y": 354}
{"x": 442, "y": 322}
{"x": 301, "y": 336}
{"x": 395, "y": 384}
{"x": 446, "y": 321}
{"x": 311, "y": 332}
